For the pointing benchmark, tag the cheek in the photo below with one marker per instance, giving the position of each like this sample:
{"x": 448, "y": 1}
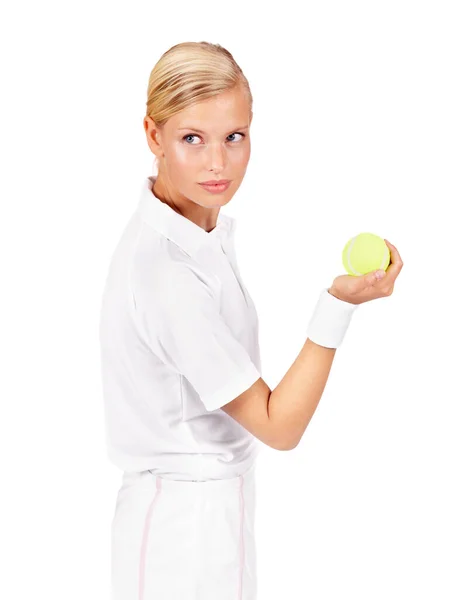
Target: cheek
{"x": 182, "y": 167}
{"x": 240, "y": 156}
{"x": 183, "y": 155}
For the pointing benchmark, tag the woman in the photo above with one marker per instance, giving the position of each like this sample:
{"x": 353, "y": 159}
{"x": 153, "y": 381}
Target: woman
{"x": 185, "y": 404}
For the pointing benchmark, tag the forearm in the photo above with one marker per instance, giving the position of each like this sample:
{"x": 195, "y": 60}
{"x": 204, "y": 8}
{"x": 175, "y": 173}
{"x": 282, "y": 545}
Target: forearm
{"x": 292, "y": 403}
{"x": 294, "y": 400}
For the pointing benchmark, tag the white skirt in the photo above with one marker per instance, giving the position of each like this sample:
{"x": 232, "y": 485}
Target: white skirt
{"x": 184, "y": 540}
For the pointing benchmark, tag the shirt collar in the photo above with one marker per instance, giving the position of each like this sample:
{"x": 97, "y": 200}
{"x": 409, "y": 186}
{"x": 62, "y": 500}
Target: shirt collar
{"x": 179, "y": 229}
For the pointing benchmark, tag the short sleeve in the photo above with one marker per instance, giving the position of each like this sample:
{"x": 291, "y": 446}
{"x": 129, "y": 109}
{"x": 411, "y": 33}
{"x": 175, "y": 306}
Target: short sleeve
{"x": 180, "y": 319}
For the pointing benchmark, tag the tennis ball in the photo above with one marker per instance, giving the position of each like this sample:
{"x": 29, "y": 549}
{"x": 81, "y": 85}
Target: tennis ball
{"x": 364, "y": 253}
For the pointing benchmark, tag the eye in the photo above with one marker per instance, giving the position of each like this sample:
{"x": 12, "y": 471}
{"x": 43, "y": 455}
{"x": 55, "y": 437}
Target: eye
{"x": 243, "y": 135}
{"x": 192, "y": 135}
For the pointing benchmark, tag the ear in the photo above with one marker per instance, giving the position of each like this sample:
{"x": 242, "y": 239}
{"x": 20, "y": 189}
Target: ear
{"x": 152, "y": 136}
{"x": 149, "y": 125}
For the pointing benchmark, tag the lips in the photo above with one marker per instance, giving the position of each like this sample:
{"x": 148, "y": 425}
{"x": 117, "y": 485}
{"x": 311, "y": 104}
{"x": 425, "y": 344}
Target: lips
{"x": 216, "y": 182}
{"x": 216, "y": 188}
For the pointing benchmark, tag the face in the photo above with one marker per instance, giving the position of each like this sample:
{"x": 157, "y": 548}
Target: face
{"x": 207, "y": 141}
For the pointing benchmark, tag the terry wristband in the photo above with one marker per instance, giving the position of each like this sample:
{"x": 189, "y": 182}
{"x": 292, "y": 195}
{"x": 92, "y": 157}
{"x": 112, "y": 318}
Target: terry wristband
{"x": 330, "y": 320}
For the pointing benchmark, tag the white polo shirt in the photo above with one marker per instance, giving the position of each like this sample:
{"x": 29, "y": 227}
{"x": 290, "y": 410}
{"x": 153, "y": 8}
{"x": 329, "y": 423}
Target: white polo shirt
{"x": 179, "y": 339}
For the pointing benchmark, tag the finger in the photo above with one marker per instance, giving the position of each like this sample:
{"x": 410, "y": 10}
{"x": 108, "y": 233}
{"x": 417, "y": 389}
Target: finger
{"x": 372, "y": 278}
{"x": 396, "y": 263}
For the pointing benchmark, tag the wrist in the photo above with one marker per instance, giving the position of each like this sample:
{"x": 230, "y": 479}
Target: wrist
{"x": 336, "y": 295}
{"x": 330, "y": 320}
{"x": 333, "y": 292}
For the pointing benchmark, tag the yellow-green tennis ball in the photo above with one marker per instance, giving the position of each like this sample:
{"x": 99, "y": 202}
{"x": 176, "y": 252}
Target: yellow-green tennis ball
{"x": 364, "y": 253}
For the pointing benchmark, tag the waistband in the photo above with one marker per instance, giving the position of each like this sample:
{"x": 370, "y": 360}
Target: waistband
{"x": 231, "y": 483}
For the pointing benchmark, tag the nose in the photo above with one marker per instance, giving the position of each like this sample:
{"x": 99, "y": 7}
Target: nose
{"x": 216, "y": 157}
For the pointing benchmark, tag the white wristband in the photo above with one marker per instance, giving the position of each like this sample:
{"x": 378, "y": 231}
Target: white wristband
{"x": 330, "y": 320}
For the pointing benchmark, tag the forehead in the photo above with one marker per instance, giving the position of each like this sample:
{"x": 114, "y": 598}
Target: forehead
{"x": 220, "y": 113}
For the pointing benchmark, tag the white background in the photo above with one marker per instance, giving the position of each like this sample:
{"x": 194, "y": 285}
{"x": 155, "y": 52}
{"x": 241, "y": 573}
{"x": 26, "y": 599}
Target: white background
{"x": 351, "y": 133}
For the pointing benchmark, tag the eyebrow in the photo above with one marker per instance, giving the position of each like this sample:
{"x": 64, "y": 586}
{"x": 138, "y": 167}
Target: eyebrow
{"x": 200, "y": 131}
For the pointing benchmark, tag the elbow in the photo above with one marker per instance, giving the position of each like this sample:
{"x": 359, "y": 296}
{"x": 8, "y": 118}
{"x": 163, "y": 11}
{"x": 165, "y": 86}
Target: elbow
{"x": 282, "y": 437}
{"x": 284, "y": 440}
{"x": 286, "y": 445}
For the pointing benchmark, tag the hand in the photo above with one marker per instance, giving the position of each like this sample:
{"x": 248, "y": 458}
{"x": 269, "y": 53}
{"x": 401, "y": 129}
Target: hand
{"x": 358, "y": 289}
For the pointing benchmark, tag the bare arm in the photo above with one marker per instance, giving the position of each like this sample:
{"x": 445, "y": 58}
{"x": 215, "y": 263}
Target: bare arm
{"x": 280, "y": 417}
{"x": 293, "y": 402}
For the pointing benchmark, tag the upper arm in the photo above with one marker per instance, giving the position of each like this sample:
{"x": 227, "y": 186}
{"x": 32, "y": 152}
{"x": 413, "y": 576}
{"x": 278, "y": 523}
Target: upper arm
{"x": 182, "y": 323}
{"x": 250, "y": 409}
{"x": 179, "y": 317}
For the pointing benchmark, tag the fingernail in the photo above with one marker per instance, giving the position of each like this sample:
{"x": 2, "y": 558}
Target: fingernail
{"x": 380, "y": 274}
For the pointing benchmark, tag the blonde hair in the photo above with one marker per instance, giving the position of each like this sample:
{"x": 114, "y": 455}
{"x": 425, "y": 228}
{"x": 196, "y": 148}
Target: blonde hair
{"x": 188, "y": 73}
